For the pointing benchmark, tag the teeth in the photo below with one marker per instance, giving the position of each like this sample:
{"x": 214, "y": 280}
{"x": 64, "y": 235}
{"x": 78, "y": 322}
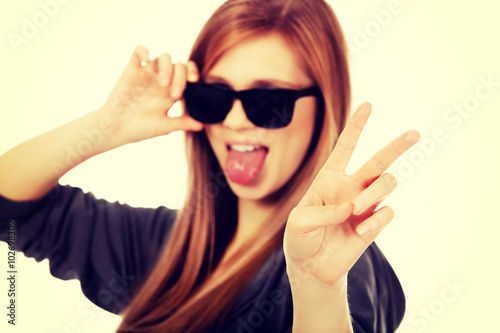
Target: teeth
{"x": 244, "y": 148}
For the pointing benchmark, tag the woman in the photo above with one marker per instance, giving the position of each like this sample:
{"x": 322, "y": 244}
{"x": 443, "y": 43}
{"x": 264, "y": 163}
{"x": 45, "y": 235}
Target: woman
{"x": 271, "y": 225}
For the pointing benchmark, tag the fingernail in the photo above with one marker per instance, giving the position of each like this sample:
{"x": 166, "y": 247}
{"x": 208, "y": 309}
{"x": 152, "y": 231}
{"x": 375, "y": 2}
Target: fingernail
{"x": 414, "y": 136}
{"x": 365, "y": 109}
{"x": 363, "y": 229}
{"x": 192, "y": 77}
{"x": 342, "y": 207}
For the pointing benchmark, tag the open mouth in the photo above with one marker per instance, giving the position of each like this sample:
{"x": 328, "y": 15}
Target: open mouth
{"x": 245, "y": 148}
{"x": 244, "y": 162}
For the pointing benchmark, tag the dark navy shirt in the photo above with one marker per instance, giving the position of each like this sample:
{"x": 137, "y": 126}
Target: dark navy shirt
{"x": 111, "y": 248}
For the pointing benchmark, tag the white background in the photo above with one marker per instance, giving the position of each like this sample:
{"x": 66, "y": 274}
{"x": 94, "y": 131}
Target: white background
{"x": 413, "y": 67}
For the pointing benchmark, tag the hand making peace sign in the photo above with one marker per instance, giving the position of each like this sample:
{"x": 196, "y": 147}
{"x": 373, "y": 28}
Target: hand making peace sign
{"x": 336, "y": 219}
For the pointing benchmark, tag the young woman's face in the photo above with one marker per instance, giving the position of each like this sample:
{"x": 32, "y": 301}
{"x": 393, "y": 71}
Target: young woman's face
{"x": 257, "y": 161}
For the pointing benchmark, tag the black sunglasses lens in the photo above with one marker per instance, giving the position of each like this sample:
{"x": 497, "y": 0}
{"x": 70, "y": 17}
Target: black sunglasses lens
{"x": 206, "y": 103}
{"x": 268, "y": 108}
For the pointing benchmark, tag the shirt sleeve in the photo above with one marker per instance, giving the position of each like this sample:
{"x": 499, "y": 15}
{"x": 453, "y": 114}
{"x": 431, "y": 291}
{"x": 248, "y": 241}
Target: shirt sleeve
{"x": 375, "y": 296}
{"x": 110, "y": 247}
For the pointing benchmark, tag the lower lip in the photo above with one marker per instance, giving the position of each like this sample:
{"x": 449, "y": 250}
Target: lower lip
{"x": 243, "y": 167}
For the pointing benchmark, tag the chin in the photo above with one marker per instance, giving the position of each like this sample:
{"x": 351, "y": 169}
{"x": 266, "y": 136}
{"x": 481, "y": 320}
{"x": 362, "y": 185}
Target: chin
{"x": 254, "y": 192}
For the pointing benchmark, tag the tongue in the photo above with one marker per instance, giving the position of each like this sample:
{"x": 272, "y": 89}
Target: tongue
{"x": 243, "y": 167}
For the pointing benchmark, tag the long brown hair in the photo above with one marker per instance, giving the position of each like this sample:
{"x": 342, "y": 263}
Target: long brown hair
{"x": 191, "y": 289}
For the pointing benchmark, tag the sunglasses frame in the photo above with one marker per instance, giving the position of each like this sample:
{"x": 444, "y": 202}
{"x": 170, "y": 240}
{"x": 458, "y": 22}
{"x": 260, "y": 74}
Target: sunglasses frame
{"x": 279, "y": 118}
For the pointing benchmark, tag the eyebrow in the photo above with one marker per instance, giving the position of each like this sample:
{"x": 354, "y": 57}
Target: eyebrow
{"x": 275, "y": 83}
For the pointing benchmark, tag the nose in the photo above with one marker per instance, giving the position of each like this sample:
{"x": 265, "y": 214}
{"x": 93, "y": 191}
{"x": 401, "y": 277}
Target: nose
{"x": 236, "y": 118}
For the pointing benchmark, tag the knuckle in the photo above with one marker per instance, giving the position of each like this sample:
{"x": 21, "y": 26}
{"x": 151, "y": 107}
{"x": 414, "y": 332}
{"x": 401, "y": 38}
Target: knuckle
{"x": 352, "y": 123}
{"x": 344, "y": 145}
{"x": 165, "y": 57}
{"x": 377, "y": 162}
{"x": 329, "y": 211}
{"x": 357, "y": 179}
{"x": 398, "y": 150}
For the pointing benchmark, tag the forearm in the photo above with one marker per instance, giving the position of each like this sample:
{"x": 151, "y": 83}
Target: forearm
{"x": 318, "y": 309}
{"x": 31, "y": 169}
{"x": 135, "y": 110}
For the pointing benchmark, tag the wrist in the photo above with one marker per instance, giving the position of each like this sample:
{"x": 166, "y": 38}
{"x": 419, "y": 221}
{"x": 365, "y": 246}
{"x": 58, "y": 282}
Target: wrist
{"x": 104, "y": 130}
{"x": 311, "y": 289}
{"x": 320, "y": 308}
{"x": 299, "y": 277}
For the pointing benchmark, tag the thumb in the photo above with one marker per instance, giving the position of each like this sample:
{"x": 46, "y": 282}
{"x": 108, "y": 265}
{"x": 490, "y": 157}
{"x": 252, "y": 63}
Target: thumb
{"x": 183, "y": 123}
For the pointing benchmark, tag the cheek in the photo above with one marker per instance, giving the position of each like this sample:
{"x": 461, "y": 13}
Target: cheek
{"x": 302, "y": 126}
{"x": 211, "y": 132}
{"x": 296, "y": 138}
{"x": 213, "y": 138}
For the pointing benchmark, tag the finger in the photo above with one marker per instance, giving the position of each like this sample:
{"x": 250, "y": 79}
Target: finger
{"x": 372, "y": 226}
{"x": 339, "y": 158}
{"x": 140, "y": 56}
{"x": 381, "y": 161}
{"x": 165, "y": 69}
{"x": 374, "y": 193}
{"x": 178, "y": 81}
{"x": 171, "y": 124}
{"x": 309, "y": 218}
{"x": 192, "y": 70}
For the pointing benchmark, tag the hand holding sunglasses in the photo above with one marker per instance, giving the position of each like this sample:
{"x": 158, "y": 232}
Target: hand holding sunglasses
{"x": 137, "y": 108}
{"x": 264, "y": 107}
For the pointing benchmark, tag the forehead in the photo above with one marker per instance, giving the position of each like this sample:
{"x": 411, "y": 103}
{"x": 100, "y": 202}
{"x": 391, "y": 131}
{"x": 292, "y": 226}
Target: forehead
{"x": 263, "y": 58}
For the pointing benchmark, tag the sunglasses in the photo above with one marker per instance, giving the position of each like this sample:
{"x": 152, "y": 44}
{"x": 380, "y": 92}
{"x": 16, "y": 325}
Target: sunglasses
{"x": 264, "y": 107}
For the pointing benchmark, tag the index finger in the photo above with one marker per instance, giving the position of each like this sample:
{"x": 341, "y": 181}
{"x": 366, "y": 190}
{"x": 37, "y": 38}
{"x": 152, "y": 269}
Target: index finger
{"x": 342, "y": 152}
{"x": 193, "y": 74}
{"x": 140, "y": 56}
